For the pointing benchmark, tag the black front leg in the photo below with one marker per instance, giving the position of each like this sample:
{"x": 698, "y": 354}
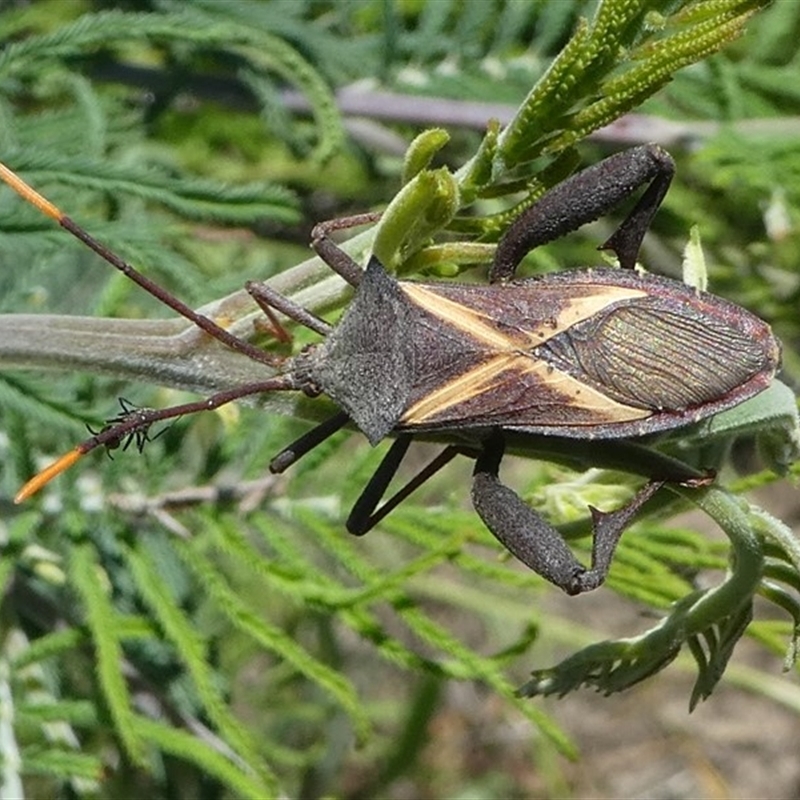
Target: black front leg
{"x": 586, "y": 196}
{"x": 536, "y": 543}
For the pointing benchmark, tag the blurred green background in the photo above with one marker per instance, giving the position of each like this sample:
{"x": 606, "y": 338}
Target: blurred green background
{"x": 180, "y": 624}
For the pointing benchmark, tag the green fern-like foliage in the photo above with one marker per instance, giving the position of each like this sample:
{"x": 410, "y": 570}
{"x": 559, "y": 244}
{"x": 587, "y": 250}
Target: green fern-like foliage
{"x": 181, "y": 621}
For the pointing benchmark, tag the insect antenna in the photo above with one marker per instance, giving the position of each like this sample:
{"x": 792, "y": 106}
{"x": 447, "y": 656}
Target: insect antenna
{"x": 137, "y": 423}
{"x": 151, "y": 287}
{"x": 133, "y": 424}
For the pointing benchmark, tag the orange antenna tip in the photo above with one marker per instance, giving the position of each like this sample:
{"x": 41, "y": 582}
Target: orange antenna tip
{"x": 47, "y": 474}
{"x": 29, "y": 194}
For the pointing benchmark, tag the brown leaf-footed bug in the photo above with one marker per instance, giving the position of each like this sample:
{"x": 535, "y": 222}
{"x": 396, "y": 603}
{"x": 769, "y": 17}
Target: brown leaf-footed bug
{"x": 586, "y": 354}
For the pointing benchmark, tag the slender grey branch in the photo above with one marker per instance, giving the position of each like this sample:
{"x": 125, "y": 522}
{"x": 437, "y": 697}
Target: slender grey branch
{"x": 364, "y": 105}
{"x": 358, "y": 101}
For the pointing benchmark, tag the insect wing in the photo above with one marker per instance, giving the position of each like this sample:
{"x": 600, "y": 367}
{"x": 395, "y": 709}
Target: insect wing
{"x": 600, "y": 353}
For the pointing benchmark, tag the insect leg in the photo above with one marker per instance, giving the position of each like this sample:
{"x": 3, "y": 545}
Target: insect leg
{"x": 537, "y": 543}
{"x": 337, "y": 259}
{"x": 363, "y": 518}
{"x": 270, "y": 300}
{"x": 586, "y": 196}
{"x": 331, "y": 253}
{"x": 607, "y": 529}
{"x": 307, "y": 442}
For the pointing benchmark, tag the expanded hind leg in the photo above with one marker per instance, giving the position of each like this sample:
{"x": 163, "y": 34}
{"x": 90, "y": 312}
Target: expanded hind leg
{"x": 535, "y": 542}
{"x": 586, "y": 196}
